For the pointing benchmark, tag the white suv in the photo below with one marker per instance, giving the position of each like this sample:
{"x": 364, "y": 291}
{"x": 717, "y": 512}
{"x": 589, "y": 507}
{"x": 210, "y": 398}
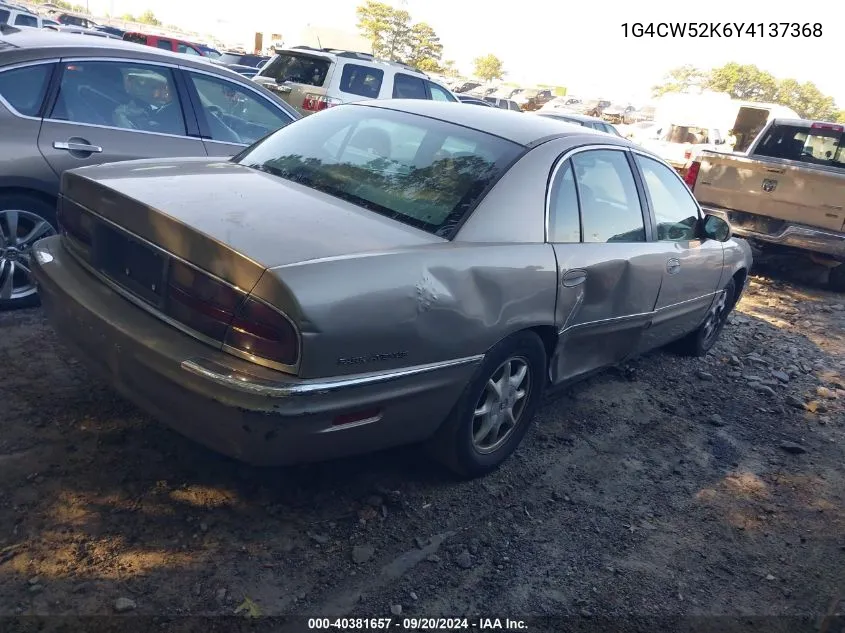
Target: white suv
{"x": 313, "y": 79}
{"x": 18, "y": 16}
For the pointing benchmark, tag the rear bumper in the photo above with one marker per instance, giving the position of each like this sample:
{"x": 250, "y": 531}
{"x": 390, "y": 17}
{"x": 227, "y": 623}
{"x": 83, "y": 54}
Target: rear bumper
{"x": 797, "y": 236}
{"x": 248, "y": 412}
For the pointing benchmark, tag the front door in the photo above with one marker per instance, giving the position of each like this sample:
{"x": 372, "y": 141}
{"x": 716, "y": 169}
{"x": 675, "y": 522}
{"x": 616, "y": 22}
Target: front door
{"x": 609, "y": 271}
{"x": 692, "y": 266}
{"x": 108, "y": 111}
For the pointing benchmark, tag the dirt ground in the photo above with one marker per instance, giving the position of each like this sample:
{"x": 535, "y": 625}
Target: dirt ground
{"x": 671, "y": 486}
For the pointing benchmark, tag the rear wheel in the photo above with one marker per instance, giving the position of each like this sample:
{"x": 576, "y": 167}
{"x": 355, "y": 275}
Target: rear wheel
{"x": 496, "y": 408}
{"x": 702, "y": 340}
{"x": 23, "y": 221}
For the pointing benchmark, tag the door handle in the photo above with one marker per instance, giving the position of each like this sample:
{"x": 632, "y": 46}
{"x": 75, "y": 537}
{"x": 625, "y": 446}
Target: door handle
{"x": 673, "y": 266}
{"x": 77, "y": 147}
{"x": 574, "y": 278}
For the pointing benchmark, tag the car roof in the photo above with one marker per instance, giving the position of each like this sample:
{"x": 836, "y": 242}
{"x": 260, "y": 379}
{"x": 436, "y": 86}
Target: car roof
{"x": 519, "y": 128}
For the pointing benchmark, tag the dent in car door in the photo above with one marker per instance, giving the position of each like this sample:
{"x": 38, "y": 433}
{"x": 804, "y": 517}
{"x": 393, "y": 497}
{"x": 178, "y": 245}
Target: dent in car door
{"x": 608, "y": 271}
{"x": 106, "y": 111}
{"x": 692, "y": 266}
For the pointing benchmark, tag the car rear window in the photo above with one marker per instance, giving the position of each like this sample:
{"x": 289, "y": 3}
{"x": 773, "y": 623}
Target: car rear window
{"x": 137, "y": 38}
{"x": 26, "y": 20}
{"x": 422, "y": 172}
{"x": 819, "y": 146}
{"x": 297, "y": 68}
{"x": 4, "y": 16}
{"x": 361, "y": 80}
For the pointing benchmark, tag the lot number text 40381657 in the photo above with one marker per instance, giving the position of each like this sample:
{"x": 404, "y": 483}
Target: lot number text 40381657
{"x": 722, "y": 29}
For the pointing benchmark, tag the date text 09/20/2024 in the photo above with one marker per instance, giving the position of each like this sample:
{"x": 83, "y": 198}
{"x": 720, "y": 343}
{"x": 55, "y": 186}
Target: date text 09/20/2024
{"x": 722, "y": 29}
{"x": 417, "y": 624}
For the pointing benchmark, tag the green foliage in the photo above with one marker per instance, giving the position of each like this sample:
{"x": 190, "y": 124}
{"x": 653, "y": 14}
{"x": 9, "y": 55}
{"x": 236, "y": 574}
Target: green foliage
{"x": 488, "y": 67}
{"x": 448, "y": 68}
{"x": 394, "y": 36}
{"x": 63, "y": 4}
{"x": 840, "y": 118}
{"x": 747, "y": 82}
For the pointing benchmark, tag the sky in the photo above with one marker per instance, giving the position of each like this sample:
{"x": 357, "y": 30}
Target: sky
{"x": 580, "y": 45}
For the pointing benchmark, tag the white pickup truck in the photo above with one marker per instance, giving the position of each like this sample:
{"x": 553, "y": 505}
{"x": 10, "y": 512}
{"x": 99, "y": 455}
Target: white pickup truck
{"x": 787, "y": 190}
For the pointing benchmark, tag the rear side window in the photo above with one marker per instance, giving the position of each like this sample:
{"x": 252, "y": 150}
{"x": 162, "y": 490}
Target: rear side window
{"x": 407, "y": 87}
{"x": 361, "y": 80}
{"x": 165, "y": 44}
{"x": 4, "y": 16}
{"x": 299, "y": 69}
{"x": 26, "y": 20}
{"x": 438, "y": 93}
{"x": 137, "y": 38}
{"x": 564, "y": 222}
{"x": 24, "y": 88}
{"x": 187, "y": 50}
{"x": 818, "y": 146}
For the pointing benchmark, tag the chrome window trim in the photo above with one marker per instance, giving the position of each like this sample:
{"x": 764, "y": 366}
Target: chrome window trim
{"x": 249, "y": 383}
{"x": 556, "y": 168}
{"x": 220, "y": 345}
{"x": 16, "y": 66}
{"x": 126, "y": 129}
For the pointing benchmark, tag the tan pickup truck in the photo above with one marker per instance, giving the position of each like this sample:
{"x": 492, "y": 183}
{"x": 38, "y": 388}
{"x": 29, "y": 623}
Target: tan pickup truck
{"x": 787, "y": 191}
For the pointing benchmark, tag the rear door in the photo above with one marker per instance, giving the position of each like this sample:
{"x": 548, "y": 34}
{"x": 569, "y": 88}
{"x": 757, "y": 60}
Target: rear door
{"x": 300, "y": 78}
{"x": 108, "y": 110}
{"x": 692, "y": 267}
{"x": 609, "y": 269}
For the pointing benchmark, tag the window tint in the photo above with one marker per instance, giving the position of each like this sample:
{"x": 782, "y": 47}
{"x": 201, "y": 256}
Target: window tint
{"x": 26, "y": 20}
{"x": 513, "y": 105}
{"x": 438, "y": 93}
{"x": 120, "y": 94}
{"x": 297, "y": 68}
{"x": 165, "y": 44}
{"x": 819, "y": 146}
{"x": 24, "y": 88}
{"x": 674, "y": 209}
{"x": 4, "y": 16}
{"x": 137, "y": 38}
{"x": 361, "y": 80}
{"x": 236, "y": 114}
{"x": 407, "y": 87}
{"x": 563, "y": 211}
{"x": 187, "y": 50}
{"x": 415, "y": 170}
{"x": 610, "y": 207}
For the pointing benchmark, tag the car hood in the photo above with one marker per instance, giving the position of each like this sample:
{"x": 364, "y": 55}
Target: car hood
{"x": 225, "y": 218}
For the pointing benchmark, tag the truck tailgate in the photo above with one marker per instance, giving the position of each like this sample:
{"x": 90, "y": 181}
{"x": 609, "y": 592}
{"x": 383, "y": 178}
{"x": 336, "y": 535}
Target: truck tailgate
{"x": 785, "y": 190}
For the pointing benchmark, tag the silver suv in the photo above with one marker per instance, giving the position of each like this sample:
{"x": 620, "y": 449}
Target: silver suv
{"x": 313, "y": 79}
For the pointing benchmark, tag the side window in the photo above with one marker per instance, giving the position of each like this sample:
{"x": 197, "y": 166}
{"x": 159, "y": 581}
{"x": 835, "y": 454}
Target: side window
{"x": 438, "y": 94}
{"x": 120, "y": 94}
{"x": 26, "y": 20}
{"x": 234, "y": 113}
{"x": 24, "y": 88}
{"x": 407, "y": 87}
{"x": 610, "y": 206}
{"x": 361, "y": 80}
{"x": 165, "y": 44}
{"x": 513, "y": 105}
{"x": 564, "y": 224}
{"x": 4, "y": 16}
{"x": 674, "y": 208}
{"x": 187, "y": 50}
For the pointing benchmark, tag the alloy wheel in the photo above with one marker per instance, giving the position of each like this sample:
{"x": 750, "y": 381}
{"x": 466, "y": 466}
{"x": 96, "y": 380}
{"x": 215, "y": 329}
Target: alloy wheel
{"x": 501, "y": 405}
{"x": 19, "y": 230}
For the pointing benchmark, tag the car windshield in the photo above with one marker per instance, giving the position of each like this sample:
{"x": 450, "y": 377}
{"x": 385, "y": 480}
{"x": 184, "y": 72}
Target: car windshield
{"x": 297, "y": 68}
{"x": 423, "y": 172}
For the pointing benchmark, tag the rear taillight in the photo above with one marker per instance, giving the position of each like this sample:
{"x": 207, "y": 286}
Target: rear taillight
{"x": 692, "y": 174}
{"x": 688, "y": 154}
{"x": 74, "y": 221}
{"x": 259, "y": 330}
{"x": 201, "y": 302}
{"x": 315, "y": 102}
{"x": 827, "y": 126}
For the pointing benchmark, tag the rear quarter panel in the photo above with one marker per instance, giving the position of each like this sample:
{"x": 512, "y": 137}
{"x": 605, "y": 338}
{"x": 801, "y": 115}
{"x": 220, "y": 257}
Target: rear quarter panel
{"x": 422, "y": 305}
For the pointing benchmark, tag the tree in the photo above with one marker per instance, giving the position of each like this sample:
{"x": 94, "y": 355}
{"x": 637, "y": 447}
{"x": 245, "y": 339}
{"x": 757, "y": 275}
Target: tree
{"x": 806, "y": 99}
{"x": 148, "y": 17}
{"x": 743, "y": 81}
{"x": 680, "y": 80}
{"x": 386, "y": 28}
{"x": 840, "y": 118}
{"x": 424, "y": 48}
{"x": 448, "y": 68}
{"x": 489, "y": 67}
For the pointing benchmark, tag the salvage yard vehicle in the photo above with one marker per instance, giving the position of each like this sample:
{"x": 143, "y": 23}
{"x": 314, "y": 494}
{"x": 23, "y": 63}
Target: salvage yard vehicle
{"x": 786, "y": 193}
{"x": 382, "y": 273}
{"x": 72, "y": 100}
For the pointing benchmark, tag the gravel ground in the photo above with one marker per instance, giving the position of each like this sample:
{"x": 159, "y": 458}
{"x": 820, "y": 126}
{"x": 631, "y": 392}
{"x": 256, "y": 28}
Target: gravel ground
{"x": 670, "y": 486}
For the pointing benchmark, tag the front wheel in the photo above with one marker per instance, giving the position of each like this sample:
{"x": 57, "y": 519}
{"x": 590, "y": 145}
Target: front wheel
{"x": 702, "y": 340}
{"x": 496, "y": 408}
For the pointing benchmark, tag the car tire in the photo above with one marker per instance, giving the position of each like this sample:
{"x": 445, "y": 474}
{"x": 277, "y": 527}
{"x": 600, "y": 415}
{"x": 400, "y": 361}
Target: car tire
{"x": 458, "y": 443}
{"x": 700, "y": 341}
{"x": 21, "y": 215}
{"x": 836, "y": 278}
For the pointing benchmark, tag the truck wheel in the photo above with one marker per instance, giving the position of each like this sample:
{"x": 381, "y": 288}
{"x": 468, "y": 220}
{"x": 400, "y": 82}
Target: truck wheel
{"x": 495, "y": 410}
{"x": 24, "y": 220}
{"x": 836, "y": 280}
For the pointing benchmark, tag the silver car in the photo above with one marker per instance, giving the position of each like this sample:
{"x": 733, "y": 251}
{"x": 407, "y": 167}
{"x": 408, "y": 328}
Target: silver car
{"x": 69, "y": 100}
{"x": 382, "y": 273}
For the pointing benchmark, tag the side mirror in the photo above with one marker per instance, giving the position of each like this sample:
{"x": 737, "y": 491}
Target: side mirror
{"x": 715, "y": 228}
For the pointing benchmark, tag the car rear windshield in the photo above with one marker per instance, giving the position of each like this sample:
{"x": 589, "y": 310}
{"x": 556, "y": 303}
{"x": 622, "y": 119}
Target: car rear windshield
{"x": 297, "y": 68}
{"x": 423, "y": 172}
{"x": 819, "y": 146}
